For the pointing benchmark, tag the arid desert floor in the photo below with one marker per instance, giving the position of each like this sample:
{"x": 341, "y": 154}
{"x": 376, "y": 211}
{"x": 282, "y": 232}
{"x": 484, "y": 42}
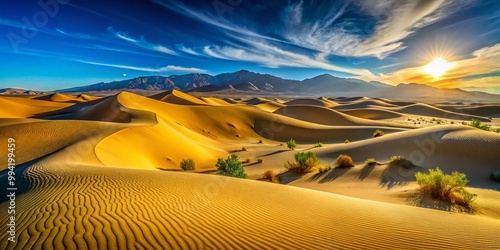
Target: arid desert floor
{"x": 104, "y": 172}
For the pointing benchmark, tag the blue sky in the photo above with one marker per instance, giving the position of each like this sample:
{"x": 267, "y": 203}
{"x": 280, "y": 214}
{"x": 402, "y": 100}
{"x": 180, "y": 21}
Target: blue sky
{"x": 54, "y": 44}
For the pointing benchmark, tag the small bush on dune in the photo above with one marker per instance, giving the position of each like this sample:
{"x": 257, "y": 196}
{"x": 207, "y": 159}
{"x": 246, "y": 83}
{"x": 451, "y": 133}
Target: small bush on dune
{"x": 247, "y": 160}
{"x": 271, "y": 176}
{"x": 346, "y": 141}
{"x": 230, "y": 167}
{"x": 345, "y": 161}
{"x": 446, "y": 187}
{"x": 325, "y": 169}
{"x": 187, "y": 164}
{"x": 371, "y": 161}
{"x": 260, "y": 160}
{"x": 291, "y": 144}
{"x": 318, "y": 145}
{"x": 243, "y": 149}
{"x": 477, "y": 124}
{"x": 401, "y": 161}
{"x": 378, "y": 133}
{"x": 304, "y": 162}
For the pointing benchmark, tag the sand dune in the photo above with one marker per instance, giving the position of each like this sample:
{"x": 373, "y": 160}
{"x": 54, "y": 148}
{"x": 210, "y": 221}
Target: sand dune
{"x": 178, "y": 97}
{"x": 364, "y": 104}
{"x": 18, "y": 107}
{"x": 327, "y": 116}
{"x": 94, "y": 180}
{"x": 95, "y": 207}
{"x": 372, "y": 113}
{"x": 312, "y": 102}
{"x": 485, "y": 110}
{"x": 452, "y": 148}
{"x": 58, "y": 97}
{"x": 428, "y": 110}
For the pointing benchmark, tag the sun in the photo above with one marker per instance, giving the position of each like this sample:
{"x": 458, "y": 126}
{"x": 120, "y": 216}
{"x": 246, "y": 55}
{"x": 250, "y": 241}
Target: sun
{"x": 437, "y": 67}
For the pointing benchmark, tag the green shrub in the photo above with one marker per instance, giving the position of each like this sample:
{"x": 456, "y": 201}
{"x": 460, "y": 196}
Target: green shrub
{"x": 477, "y": 124}
{"x": 345, "y": 161}
{"x": 304, "y": 162}
{"x": 325, "y": 169}
{"x": 230, "y": 167}
{"x": 318, "y": 145}
{"x": 346, "y": 141}
{"x": 370, "y": 161}
{"x": 291, "y": 144}
{"x": 378, "y": 133}
{"x": 271, "y": 176}
{"x": 497, "y": 130}
{"x": 187, "y": 164}
{"x": 401, "y": 161}
{"x": 446, "y": 187}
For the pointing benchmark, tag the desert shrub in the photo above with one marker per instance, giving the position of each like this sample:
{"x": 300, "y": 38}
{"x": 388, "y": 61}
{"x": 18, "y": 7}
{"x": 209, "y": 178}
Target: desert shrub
{"x": 260, "y": 160}
{"x": 345, "y": 161}
{"x": 495, "y": 176}
{"x": 187, "y": 164}
{"x": 346, "y": 141}
{"x": 247, "y": 160}
{"x": 230, "y": 167}
{"x": 318, "y": 145}
{"x": 243, "y": 149}
{"x": 325, "y": 169}
{"x": 378, "y": 133}
{"x": 260, "y": 141}
{"x": 401, "y": 161}
{"x": 464, "y": 123}
{"x": 291, "y": 144}
{"x": 452, "y": 122}
{"x": 370, "y": 161}
{"x": 271, "y": 176}
{"x": 497, "y": 130}
{"x": 477, "y": 124}
{"x": 304, "y": 162}
{"x": 446, "y": 187}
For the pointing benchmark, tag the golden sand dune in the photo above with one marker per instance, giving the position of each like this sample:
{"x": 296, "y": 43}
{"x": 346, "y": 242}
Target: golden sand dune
{"x": 214, "y": 101}
{"x": 178, "y": 97}
{"x": 428, "y": 110}
{"x": 58, "y": 97}
{"x": 373, "y": 113}
{"x": 332, "y": 117}
{"x": 363, "y": 103}
{"x": 452, "y": 148}
{"x": 93, "y": 207}
{"x": 312, "y": 102}
{"x": 94, "y": 182}
{"x": 18, "y": 107}
{"x": 485, "y": 110}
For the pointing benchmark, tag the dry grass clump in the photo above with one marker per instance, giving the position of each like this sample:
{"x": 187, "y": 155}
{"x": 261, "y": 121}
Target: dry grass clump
{"x": 378, "y": 133}
{"x": 325, "y": 169}
{"x": 187, "y": 164}
{"x": 243, "y": 149}
{"x": 260, "y": 160}
{"x": 446, "y": 187}
{"x": 345, "y": 161}
{"x": 271, "y": 176}
{"x": 401, "y": 161}
{"x": 318, "y": 145}
{"x": 304, "y": 162}
{"x": 371, "y": 161}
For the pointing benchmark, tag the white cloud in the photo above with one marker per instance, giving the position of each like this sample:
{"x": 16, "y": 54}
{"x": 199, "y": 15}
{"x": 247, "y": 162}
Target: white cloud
{"x": 169, "y": 68}
{"x": 396, "y": 20}
{"x": 142, "y": 42}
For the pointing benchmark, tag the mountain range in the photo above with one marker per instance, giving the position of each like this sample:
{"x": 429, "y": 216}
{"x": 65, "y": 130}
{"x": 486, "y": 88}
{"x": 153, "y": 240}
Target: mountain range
{"x": 248, "y": 82}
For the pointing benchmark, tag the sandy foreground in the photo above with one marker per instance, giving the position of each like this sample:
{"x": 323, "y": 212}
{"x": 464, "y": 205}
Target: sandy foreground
{"x": 103, "y": 173}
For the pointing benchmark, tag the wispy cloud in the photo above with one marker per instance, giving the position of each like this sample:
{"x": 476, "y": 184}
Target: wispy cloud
{"x": 274, "y": 57}
{"x": 394, "y": 21}
{"x": 76, "y": 35}
{"x": 141, "y": 42}
{"x": 169, "y": 68}
{"x": 190, "y": 51}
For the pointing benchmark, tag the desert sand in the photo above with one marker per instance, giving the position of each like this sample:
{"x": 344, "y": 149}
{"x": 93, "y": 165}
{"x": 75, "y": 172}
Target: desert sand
{"x": 103, "y": 172}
